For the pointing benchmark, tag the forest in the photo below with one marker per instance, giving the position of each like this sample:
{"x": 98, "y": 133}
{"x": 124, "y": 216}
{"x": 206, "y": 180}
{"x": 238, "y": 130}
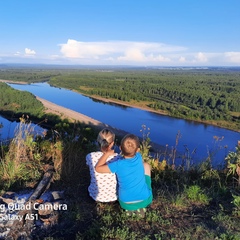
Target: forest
{"x": 17, "y": 103}
{"x": 208, "y": 95}
{"x": 26, "y": 74}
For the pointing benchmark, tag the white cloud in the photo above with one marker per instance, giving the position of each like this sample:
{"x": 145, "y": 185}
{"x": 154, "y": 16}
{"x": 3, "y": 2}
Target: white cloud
{"x": 182, "y": 59}
{"x": 119, "y": 51}
{"x": 201, "y": 57}
{"x": 29, "y": 52}
{"x": 75, "y": 49}
{"x": 233, "y": 57}
{"x": 124, "y": 53}
{"x": 141, "y": 53}
{"x": 54, "y": 56}
{"x": 17, "y": 54}
{"x": 132, "y": 54}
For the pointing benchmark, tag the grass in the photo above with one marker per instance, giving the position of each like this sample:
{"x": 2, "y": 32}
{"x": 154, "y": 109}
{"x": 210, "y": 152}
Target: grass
{"x": 189, "y": 203}
{"x": 21, "y": 161}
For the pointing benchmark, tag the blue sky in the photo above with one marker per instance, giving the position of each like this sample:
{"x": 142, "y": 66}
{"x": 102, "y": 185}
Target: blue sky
{"x": 121, "y": 32}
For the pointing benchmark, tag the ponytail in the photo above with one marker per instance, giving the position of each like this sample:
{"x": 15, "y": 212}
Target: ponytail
{"x": 104, "y": 143}
{"x": 105, "y": 138}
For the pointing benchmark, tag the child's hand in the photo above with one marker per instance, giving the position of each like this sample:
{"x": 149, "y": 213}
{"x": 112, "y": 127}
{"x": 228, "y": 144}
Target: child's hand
{"x": 109, "y": 152}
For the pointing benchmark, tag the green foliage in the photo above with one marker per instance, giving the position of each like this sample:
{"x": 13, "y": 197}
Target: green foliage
{"x": 24, "y": 158}
{"x": 196, "y": 195}
{"x": 155, "y": 216}
{"x": 145, "y": 143}
{"x": 225, "y": 221}
{"x": 27, "y": 74}
{"x": 233, "y": 164}
{"x": 14, "y": 102}
{"x": 22, "y": 161}
{"x": 11, "y": 172}
{"x": 192, "y": 194}
{"x": 117, "y": 233}
{"x": 236, "y": 202}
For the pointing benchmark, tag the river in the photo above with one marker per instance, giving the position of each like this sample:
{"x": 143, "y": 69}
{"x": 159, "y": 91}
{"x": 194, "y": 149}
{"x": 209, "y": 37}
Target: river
{"x": 10, "y": 128}
{"x": 163, "y": 129}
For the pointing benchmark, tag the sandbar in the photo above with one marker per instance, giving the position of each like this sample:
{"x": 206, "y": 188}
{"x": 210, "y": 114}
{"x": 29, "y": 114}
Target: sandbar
{"x": 73, "y": 116}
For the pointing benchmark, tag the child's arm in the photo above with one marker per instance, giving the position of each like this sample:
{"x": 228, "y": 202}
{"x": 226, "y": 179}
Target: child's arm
{"x": 101, "y": 166}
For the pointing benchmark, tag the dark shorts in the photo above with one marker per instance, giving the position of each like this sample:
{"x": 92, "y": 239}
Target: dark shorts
{"x": 142, "y": 204}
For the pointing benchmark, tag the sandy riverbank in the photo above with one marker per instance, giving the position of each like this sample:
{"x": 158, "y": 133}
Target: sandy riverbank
{"x": 14, "y": 82}
{"x": 131, "y": 104}
{"x": 76, "y": 116}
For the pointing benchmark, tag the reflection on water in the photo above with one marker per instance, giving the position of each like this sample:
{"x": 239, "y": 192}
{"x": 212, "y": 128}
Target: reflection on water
{"x": 9, "y": 129}
{"x": 163, "y": 129}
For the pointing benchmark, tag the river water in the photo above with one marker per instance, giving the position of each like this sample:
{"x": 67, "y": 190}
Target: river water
{"x": 11, "y": 128}
{"x": 163, "y": 129}
{"x": 8, "y": 129}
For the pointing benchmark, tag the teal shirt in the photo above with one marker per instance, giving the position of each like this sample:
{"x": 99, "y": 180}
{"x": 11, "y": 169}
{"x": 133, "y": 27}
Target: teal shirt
{"x": 132, "y": 185}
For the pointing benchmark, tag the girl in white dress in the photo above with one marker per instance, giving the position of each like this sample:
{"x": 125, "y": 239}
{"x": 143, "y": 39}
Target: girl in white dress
{"x": 103, "y": 187}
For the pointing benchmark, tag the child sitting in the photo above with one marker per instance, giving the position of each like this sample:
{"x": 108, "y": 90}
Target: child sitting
{"x": 134, "y": 175}
{"x": 103, "y": 187}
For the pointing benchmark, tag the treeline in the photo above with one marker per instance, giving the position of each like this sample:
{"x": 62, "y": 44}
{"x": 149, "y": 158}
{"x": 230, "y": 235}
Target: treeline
{"x": 27, "y": 74}
{"x": 197, "y": 95}
{"x": 18, "y": 102}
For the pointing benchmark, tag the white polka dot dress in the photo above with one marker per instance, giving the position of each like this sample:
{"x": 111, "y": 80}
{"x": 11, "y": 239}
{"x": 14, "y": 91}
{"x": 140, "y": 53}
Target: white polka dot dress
{"x": 103, "y": 186}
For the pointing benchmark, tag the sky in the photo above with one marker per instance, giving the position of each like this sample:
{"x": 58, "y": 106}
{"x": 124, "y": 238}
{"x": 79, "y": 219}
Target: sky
{"x": 120, "y": 32}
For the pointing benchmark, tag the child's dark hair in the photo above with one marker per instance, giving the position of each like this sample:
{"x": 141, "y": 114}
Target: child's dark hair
{"x": 129, "y": 145}
{"x": 105, "y": 138}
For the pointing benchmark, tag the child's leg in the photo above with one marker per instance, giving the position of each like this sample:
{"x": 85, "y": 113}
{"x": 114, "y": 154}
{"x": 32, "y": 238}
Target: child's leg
{"x": 147, "y": 169}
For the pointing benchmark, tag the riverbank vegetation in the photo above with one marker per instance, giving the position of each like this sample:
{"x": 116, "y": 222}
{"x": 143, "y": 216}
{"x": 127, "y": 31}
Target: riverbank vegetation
{"x": 14, "y": 102}
{"x": 210, "y": 95}
{"x": 197, "y": 202}
{"x": 27, "y": 74}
